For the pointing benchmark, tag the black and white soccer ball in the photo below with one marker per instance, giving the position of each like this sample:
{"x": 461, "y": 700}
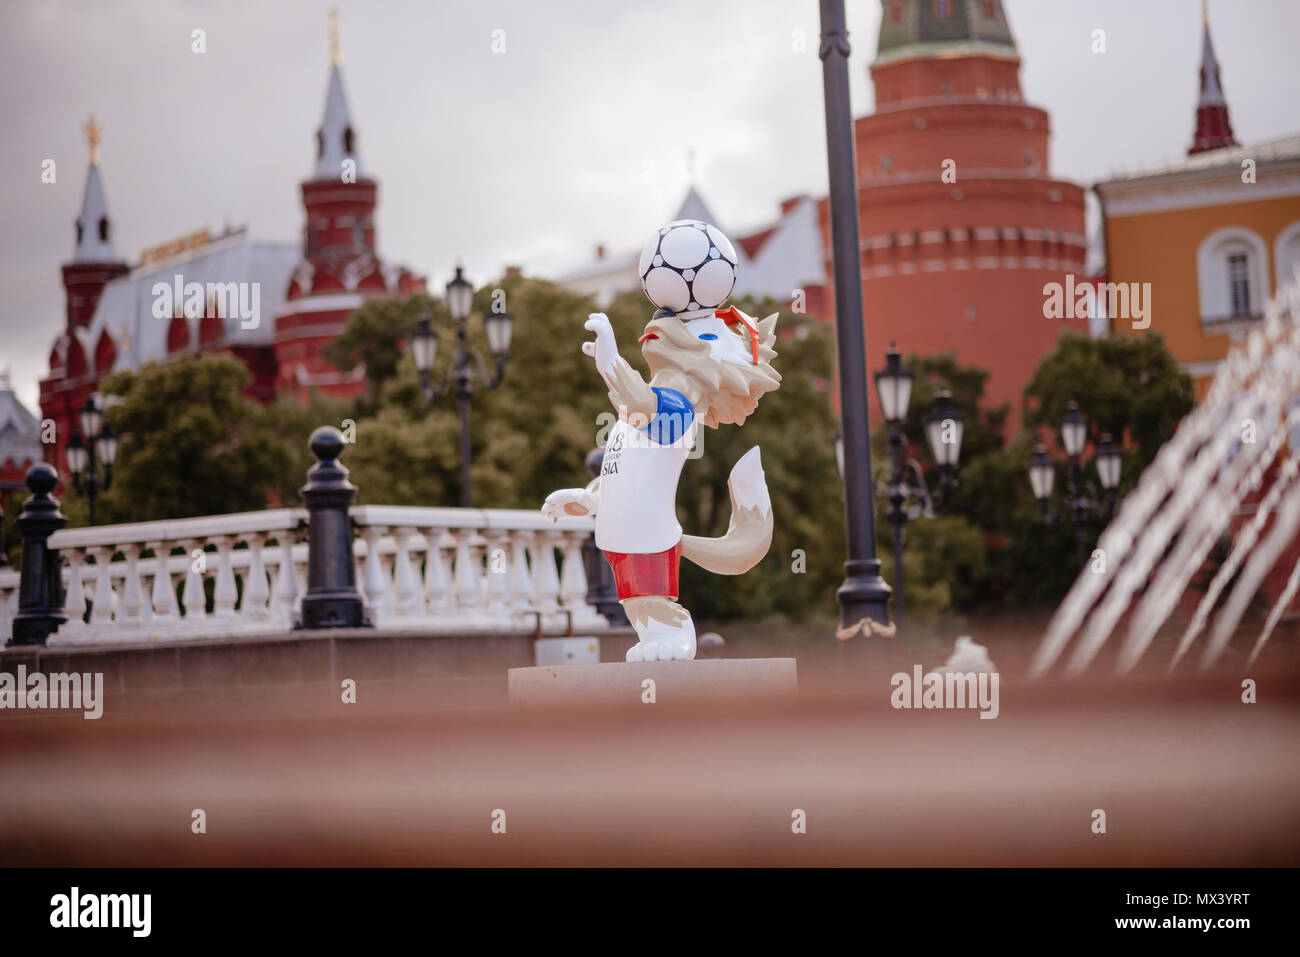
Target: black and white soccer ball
{"x": 688, "y": 265}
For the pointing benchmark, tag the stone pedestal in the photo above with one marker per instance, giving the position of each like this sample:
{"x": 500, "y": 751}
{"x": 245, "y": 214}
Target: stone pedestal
{"x": 668, "y": 682}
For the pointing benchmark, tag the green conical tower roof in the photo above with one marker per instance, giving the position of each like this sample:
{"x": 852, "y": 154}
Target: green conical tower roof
{"x": 934, "y": 28}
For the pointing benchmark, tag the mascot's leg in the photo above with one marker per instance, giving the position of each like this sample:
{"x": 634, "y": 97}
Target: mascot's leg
{"x": 663, "y": 627}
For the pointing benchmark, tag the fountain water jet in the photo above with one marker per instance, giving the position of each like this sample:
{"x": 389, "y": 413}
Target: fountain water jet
{"x": 1186, "y": 500}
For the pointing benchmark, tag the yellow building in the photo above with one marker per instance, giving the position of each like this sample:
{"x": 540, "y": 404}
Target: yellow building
{"x": 1203, "y": 242}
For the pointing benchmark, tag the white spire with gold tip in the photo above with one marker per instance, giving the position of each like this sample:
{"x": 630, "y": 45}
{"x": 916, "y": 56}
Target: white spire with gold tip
{"x": 93, "y": 236}
{"x": 336, "y": 139}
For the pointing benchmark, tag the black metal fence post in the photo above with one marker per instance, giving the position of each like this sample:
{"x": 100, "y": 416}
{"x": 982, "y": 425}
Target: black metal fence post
{"x": 40, "y": 585}
{"x": 332, "y": 599}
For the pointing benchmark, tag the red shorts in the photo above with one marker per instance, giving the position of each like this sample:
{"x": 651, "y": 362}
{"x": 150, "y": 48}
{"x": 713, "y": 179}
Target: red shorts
{"x": 641, "y": 576}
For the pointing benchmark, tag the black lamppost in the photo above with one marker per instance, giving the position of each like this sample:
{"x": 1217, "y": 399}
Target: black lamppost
{"x": 943, "y": 431}
{"x": 864, "y": 596}
{"x": 499, "y": 326}
{"x": 1081, "y": 499}
{"x": 95, "y": 446}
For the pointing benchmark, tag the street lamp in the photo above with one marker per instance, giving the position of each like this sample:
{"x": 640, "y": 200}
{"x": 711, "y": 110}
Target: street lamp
{"x": 1042, "y": 476}
{"x": 943, "y": 432}
{"x": 894, "y": 387}
{"x": 498, "y": 326}
{"x": 1074, "y": 430}
{"x": 85, "y": 455}
{"x": 1081, "y": 499}
{"x": 1108, "y": 463}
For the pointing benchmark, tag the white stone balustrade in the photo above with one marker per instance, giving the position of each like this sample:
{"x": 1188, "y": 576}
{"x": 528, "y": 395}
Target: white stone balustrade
{"x": 457, "y": 570}
{"x": 434, "y": 570}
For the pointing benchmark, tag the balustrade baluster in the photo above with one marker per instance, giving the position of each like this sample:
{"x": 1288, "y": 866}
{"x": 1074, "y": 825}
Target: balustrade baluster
{"x": 193, "y": 598}
{"x": 521, "y": 582}
{"x": 102, "y": 614}
{"x": 498, "y": 572}
{"x": 225, "y": 593}
{"x": 131, "y": 600}
{"x": 468, "y": 578}
{"x": 286, "y": 585}
{"x": 437, "y": 577}
{"x": 573, "y": 580}
{"x": 379, "y": 593}
{"x": 75, "y": 600}
{"x": 546, "y": 581}
{"x": 407, "y": 594}
{"x": 162, "y": 594}
{"x": 256, "y": 588}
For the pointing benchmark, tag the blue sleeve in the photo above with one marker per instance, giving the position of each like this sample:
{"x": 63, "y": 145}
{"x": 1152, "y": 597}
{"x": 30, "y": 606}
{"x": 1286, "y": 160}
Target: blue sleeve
{"x": 673, "y": 416}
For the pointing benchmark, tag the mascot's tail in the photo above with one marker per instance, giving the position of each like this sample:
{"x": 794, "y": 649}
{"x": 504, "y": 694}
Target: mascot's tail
{"x": 750, "y": 532}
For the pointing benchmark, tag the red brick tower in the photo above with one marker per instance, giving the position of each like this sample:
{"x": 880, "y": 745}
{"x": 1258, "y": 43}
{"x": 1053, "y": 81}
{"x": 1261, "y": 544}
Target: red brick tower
{"x": 76, "y": 362}
{"x": 962, "y": 226}
{"x": 339, "y": 268}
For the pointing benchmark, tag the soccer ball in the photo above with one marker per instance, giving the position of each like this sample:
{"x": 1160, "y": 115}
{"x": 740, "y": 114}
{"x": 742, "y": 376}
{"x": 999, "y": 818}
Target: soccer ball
{"x": 688, "y": 265}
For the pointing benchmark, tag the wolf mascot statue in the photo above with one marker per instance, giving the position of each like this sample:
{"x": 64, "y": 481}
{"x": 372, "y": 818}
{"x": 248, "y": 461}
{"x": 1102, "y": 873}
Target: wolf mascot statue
{"x": 708, "y": 366}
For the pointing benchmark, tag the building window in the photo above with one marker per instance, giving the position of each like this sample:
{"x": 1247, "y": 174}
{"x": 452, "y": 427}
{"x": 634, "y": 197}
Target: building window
{"x": 1232, "y": 275}
{"x": 943, "y": 8}
{"x": 1239, "y": 283}
{"x": 103, "y": 229}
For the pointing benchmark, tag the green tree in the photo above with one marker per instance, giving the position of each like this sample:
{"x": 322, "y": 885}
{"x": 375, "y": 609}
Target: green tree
{"x": 192, "y": 443}
{"x": 1129, "y": 386}
{"x": 375, "y": 336}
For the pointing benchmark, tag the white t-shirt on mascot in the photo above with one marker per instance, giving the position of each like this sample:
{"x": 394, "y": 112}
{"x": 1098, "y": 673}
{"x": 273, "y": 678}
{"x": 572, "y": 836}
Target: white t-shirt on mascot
{"x": 638, "y": 480}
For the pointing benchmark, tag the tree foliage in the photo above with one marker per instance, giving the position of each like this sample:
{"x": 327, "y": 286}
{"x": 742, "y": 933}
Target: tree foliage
{"x": 191, "y": 443}
{"x": 376, "y": 335}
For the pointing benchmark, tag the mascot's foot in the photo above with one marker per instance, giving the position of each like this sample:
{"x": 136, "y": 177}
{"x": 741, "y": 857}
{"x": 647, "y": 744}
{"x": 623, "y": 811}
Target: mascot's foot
{"x": 660, "y": 641}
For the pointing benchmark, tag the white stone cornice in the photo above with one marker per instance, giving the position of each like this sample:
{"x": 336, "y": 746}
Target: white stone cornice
{"x": 1218, "y": 187}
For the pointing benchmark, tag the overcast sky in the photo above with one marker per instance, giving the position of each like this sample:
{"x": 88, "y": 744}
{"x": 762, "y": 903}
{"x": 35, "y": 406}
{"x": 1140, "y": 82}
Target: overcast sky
{"x": 577, "y": 133}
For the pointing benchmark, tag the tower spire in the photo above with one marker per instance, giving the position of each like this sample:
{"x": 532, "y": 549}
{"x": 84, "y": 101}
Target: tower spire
{"x": 1213, "y": 128}
{"x": 93, "y": 243}
{"x": 335, "y": 140}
